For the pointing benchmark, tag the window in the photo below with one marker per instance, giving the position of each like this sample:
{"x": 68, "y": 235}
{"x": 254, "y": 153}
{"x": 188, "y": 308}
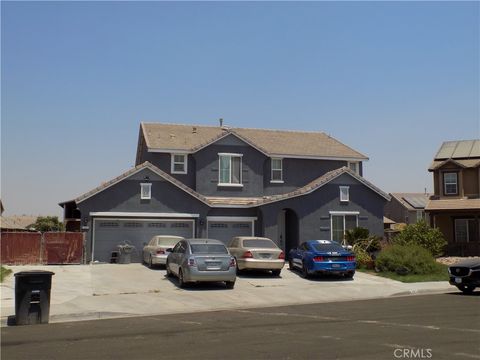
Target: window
{"x": 355, "y": 167}
{"x": 450, "y": 182}
{"x": 420, "y": 215}
{"x": 464, "y": 230}
{"x": 344, "y": 193}
{"x": 230, "y": 173}
{"x": 277, "y": 171}
{"x": 342, "y": 223}
{"x": 145, "y": 191}
{"x": 179, "y": 164}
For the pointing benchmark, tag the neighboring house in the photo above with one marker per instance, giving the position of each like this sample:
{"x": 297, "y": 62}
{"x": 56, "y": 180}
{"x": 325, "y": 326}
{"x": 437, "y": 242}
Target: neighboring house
{"x": 407, "y": 208}
{"x": 220, "y": 182}
{"x": 11, "y": 223}
{"x": 455, "y": 206}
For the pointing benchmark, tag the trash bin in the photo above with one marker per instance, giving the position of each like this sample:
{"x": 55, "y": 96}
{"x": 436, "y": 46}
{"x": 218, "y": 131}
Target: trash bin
{"x": 125, "y": 254}
{"x": 32, "y": 297}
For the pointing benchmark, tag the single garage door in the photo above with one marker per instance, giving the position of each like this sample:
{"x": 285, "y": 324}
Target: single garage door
{"x": 108, "y": 234}
{"x": 225, "y": 230}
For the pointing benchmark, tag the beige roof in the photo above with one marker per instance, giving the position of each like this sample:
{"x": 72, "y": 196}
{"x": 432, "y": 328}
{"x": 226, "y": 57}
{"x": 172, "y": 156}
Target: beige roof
{"x": 18, "y": 221}
{"x": 9, "y": 224}
{"x": 461, "y": 149}
{"x": 465, "y": 163}
{"x": 453, "y": 204}
{"x": 388, "y": 221}
{"x": 191, "y": 138}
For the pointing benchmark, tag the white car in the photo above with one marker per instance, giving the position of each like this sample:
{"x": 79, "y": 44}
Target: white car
{"x": 156, "y": 251}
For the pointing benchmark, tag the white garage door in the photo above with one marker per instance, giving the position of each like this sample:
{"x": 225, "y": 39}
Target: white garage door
{"x": 109, "y": 233}
{"x": 225, "y": 230}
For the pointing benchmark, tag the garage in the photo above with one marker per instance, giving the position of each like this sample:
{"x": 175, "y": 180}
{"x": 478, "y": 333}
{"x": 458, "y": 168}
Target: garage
{"x": 108, "y": 233}
{"x": 224, "y": 228}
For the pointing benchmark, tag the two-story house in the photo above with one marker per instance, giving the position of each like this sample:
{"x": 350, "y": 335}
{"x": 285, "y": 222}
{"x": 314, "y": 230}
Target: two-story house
{"x": 455, "y": 206}
{"x": 219, "y": 182}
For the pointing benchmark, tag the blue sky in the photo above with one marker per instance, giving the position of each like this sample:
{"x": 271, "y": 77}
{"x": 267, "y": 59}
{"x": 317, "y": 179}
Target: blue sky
{"x": 390, "y": 79}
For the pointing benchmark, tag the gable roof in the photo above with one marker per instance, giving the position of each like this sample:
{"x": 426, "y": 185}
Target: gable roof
{"x": 459, "y": 149}
{"x": 453, "y": 204}
{"x": 161, "y": 137}
{"x": 464, "y": 163}
{"x": 412, "y": 201}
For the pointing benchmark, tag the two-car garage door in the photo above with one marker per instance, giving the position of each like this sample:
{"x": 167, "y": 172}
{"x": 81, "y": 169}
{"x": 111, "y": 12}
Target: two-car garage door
{"x": 224, "y": 230}
{"x": 109, "y": 233}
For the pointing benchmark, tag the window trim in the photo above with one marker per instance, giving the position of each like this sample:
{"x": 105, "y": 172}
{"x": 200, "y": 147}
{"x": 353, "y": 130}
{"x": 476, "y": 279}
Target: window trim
{"x": 280, "y": 169}
{"x": 357, "y": 164}
{"x": 348, "y": 194}
{"x": 230, "y": 184}
{"x": 343, "y": 214}
{"x": 445, "y": 183}
{"x": 185, "y": 163}
{"x": 149, "y": 187}
{"x": 467, "y": 220}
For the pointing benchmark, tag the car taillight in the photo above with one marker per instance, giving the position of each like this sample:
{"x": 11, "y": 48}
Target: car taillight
{"x": 282, "y": 256}
{"x": 350, "y": 258}
{"x": 232, "y": 262}
{"x": 247, "y": 254}
{"x": 160, "y": 252}
{"x": 318, "y": 258}
{"x": 191, "y": 262}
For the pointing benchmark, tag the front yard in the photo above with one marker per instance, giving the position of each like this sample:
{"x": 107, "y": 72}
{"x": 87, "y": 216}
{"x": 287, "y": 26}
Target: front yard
{"x": 440, "y": 274}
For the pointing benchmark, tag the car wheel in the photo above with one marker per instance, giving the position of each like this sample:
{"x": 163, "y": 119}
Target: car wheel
{"x": 181, "y": 281}
{"x": 239, "y": 272}
{"x": 304, "y": 271}
{"x": 229, "y": 284}
{"x": 466, "y": 289}
{"x": 276, "y": 272}
{"x": 290, "y": 264}
{"x": 150, "y": 263}
{"x": 169, "y": 272}
{"x": 349, "y": 275}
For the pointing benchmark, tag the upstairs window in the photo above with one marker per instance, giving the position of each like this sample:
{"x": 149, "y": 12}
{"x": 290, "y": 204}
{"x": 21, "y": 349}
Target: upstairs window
{"x": 230, "y": 173}
{"x": 355, "y": 167}
{"x": 277, "y": 171}
{"x": 450, "y": 181}
{"x": 344, "y": 193}
{"x": 179, "y": 164}
{"x": 145, "y": 191}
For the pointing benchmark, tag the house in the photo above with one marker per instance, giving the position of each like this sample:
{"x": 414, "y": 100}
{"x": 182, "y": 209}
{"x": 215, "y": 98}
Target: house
{"x": 407, "y": 208}
{"x": 220, "y": 182}
{"x": 454, "y": 207}
{"x": 13, "y": 223}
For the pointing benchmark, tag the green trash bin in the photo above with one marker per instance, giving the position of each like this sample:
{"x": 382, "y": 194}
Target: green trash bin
{"x": 32, "y": 297}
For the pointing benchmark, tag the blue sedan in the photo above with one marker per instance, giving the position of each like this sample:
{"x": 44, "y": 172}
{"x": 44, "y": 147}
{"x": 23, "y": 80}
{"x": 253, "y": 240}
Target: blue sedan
{"x": 322, "y": 257}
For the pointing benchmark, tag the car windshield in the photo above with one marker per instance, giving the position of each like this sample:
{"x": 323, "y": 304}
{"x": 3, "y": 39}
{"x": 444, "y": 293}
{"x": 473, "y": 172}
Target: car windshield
{"x": 170, "y": 242}
{"x": 208, "y": 249}
{"x": 327, "y": 247}
{"x": 259, "y": 243}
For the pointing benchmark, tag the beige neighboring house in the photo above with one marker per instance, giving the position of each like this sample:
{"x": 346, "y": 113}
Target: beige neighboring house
{"x": 15, "y": 223}
{"x": 455, "y": 206}
{"x": 406, "y": 208}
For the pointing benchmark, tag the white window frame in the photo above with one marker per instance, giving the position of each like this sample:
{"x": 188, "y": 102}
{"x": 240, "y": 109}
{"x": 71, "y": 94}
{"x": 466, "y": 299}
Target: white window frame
{"x": 184, "y": 163}
{"x": 343, "y": 214}
{"x": 445, "y": 183}
{"x": 342, "y": 198}
{"x": 420, "y": 215}
{"x": 468, "y": 232}
{"x": 230, "y": 184}
{"x": 148, "y": 195}
{"x": 280, "y": 181}
{"x": 357, "y": 166}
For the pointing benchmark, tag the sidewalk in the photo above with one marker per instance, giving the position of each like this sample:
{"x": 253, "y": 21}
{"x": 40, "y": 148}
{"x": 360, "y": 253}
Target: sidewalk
{"x": 87, "y": 292}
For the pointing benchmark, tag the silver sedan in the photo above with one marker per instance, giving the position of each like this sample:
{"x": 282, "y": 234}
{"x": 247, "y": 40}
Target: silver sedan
{"x": 257, "y": 253}
{"x": 156, "y": 251}
{"x": 195, "y": 260}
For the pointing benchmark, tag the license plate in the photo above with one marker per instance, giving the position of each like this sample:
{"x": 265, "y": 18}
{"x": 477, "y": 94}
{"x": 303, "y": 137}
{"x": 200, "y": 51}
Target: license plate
{"x": 213, "y": 264}
{"x": 458, "y": 280}
{"x": 336, "y": 265}
{"x": 266, "y": 256}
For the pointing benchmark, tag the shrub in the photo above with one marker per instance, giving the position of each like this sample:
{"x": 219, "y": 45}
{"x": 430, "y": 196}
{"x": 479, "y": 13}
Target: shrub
{"x": 363, "y": 258}
{"x": 423, "y": 235}
{"x": 406, "y": 259}
{"x": 358, "y": 233}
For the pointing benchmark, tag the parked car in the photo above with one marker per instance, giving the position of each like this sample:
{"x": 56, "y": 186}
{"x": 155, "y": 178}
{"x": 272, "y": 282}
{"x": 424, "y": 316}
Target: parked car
{"x": 465, "y": 275}
{"x": 156, "y": 251}
{"x": 257, "y": 253}
{"x": 322, "y": 257}
{"x": 193, "y": 260}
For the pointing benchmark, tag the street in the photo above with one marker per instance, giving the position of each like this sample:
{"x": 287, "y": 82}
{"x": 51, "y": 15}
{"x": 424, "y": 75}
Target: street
{"x": 445, "y": 326}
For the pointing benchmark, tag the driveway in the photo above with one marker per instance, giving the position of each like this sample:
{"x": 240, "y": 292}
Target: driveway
{"x": 84, "y": 292}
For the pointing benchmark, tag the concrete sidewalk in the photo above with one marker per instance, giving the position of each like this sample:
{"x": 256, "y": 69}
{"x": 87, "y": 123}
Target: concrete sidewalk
{"x": 86, "y": 292}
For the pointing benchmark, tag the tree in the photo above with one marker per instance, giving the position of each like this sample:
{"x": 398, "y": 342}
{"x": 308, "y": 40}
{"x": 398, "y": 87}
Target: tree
{"x": 422, "y": 234}
{"x": 47, "y": 223}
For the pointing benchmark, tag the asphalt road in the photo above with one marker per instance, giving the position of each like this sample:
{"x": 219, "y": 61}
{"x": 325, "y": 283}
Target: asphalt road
{"x": 443, "y": 326}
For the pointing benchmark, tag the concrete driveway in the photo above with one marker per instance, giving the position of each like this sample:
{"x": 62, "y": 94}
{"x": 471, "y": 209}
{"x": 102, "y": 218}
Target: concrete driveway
{"x": 84, "y": 292}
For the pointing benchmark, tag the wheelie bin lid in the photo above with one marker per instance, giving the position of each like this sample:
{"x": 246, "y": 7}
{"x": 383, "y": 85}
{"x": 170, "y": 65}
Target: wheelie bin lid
{"x": 34, "y": 273}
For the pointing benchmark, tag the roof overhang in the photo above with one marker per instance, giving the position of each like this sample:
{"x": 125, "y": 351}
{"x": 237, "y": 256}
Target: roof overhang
{"x": 119, "y": 214}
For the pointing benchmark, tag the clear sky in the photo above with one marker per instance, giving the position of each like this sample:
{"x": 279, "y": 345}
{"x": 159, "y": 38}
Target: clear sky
{"x": 393, "y": 80}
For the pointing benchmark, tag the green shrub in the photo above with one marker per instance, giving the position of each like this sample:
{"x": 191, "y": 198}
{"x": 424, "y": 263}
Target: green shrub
{"x": 406, "y": 259}
{"x": 363, "y": 258}
{"x": 423, "y": 235}
{"x": 358, "y": 233}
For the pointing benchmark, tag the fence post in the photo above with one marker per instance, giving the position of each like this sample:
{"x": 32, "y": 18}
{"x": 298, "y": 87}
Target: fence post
{"x": 42, "y": 247}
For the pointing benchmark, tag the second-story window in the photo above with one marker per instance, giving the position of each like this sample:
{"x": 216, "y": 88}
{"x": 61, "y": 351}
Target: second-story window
{"x": 277, "y": 170}
{"x": 354, "y": 166}
{"x": 145, "y": 191}
{"x": 344, "y": 193}
{"x": 450, "y": 181}
{"x": 230, "y": 169}
{"x": 179, "y": 164}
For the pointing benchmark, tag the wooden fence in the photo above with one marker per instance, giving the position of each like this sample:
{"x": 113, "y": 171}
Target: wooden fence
{"x": 21, "y": 248}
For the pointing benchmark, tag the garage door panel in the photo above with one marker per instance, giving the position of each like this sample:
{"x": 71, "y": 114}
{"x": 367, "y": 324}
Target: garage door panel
{"x": 108, "y": 234}
{"x": 225, "y": 230}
